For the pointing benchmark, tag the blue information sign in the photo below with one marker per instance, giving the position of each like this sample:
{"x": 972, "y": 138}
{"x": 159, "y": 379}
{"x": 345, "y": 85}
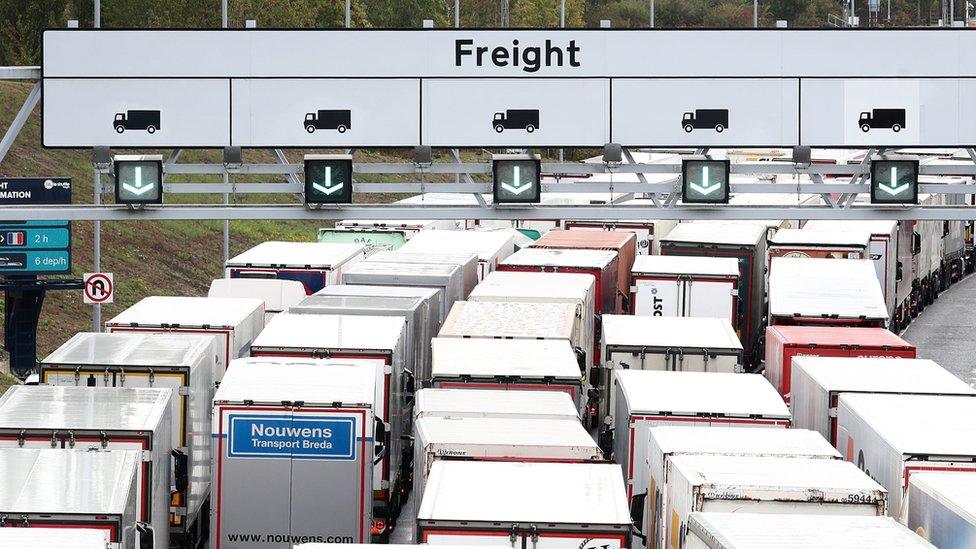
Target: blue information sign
{"x": 36, "y": 246}
{"x": 331, "y": 437}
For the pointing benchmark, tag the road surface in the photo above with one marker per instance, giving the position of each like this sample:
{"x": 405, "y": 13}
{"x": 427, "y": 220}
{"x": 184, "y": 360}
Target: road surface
{"x": 944, "y": 332}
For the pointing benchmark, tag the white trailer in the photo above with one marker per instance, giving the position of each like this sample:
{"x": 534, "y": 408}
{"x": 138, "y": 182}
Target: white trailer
{"x": 277, "y": 295}
{"x": 374, "y": 340}
{"x": 649, "y": 232}
{"x": 490, "y": 246}
{"x": 547, "y": 505}
{"x": 777, "y": 531}
{"x": 235, "y": 321}
{"x": 444, "y": 277}
{"x": 507, "y": 364}
{"x": 314, "y": 264}
{"x": 815, "y": 291}
{"x": 668, "y": 442}
{"x": 100, "y": 418}
{"x": 821, "y": 243}
{"x": 45, "y": 490}
{"x": 466, "y": 261}
{"x": 892, "y": 437}
{"x": 647, "y": 398}
{"x": 498, "y": 439}
{"x": 510, "y": 320}
{"x": 942, "y": 508}
{"x": 181, "y": 362}
{"x": 294, "y": 440}
{"x": 481, "y": 403}
{"x": 766, "y": 485}
{"x": 431, "y": 296}
{"x": 818, "y": 383}
{"x": 674, "y": 285}
{"x": 410, "y": 227}
{"x": 56, "y": 538}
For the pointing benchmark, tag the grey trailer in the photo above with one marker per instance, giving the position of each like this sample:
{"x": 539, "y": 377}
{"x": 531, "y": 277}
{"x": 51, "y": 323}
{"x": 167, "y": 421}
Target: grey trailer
{"x": 448, "y": 278}
{"x": 467, "y": 261}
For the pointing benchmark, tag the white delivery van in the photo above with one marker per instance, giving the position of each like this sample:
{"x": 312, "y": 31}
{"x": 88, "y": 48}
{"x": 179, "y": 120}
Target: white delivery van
{"x": 100, "y": 418}
{"x": 942, "y": 508}
{"x": 444, "y": 277}
{"x": 235, "y": 321}
{"x": 314, "y": 264}
{"x": 818, "y": 382}
{"x": 277, "y": 295}
{"x": 466, "y": 261}
{"x": 670, "y": 441}
{"x": 45, "y": 490}
{"x": 293, "y": 443}
{"x": 181, "y": 362}
{"x": 764, "y": 485}
{"x": 494, "y": 403}
{"x": 892, "y": 437}
{"x": 547, "y": 505}
{"x": 676, "y": 285}
{"x": 761, "y": 531}
{"x": 490, "y": 246}
{"x": 507, "y": 364}
{"x": 836, "y": 292}
{"x": 498, "y": 439}
{"x": 647, "y": 398}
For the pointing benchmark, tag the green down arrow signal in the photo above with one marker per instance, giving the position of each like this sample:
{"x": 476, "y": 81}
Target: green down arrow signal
{"x": 516, "y": 187}
{"x": 893, "y": 188}
{"x": 327, "y": 188}
{"x": 705, "y": 189}
{"x": 139, "y": 188}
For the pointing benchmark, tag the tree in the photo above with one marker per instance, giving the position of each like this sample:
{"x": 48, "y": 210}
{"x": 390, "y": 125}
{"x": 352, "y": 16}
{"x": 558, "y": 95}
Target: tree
{"x": 408, "y": 13}
{"x": 545, "y": 13}
{"x": 21, "y": 23}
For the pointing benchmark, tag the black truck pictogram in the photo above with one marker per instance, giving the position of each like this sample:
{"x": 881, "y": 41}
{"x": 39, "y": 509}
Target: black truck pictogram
{"x": 706, "y": 119}
{"x": 516, "y": 119}
{"x": 888, "y": 119}
{"x": 136, "y": 120}
{"x": 328, "y": 119}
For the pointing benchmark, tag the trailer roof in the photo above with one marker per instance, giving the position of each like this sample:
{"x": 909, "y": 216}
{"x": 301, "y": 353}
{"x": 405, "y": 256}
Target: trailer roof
{"x": 583, "y": 259}
{"x": 690, "y": 393}
{"x": 371, "y": 290}
{"x": 495, "y": 403}
{"x": 54, "y": 538}
{"x": 298, "y": 331}
{"x": 554, "y": 493}
{"x": 669, "y": 332}
{"x": 530, "y": 284}
{"x": 745, "y": 472}
{"x": 510, "y": 320}
{"x": 836, "y": 335}
{"x": 298, "y": 255}
{"x": 398, "y": 256}
{"x": 776, "y": 531}
{"x": 685, "y": 265}
{"x": 821, "y": 237}
{"x": 526, "y": 358}
{"x": 731, "y": 233}
{"x": 919, "y": 424}
{"x": 336, "y": 304}
{"x": 133, "y": 349}
{"x": 676, "y": 439}
{"x": 55, "y": 481}
{"x": 585, "y": 240}
{"x": 954, "y": 490}
{"x": 487, "y": 245}
{"x": 83, "y": 408}
{"x": 277, "y": 294}
{"x": 311, "y": 380}
{"x": 412, "y": 224}
{"x": 426, "y": 270}
{"x": 832, "y": 288}
{"x": 882, "y": 375}
{"x": 518, "y": 434}
{"x": 873, "y": 226}
{"x": 189, "y": 312}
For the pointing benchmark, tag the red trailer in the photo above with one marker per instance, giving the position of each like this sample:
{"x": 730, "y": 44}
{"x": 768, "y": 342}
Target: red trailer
{"x": 785, "y": 342}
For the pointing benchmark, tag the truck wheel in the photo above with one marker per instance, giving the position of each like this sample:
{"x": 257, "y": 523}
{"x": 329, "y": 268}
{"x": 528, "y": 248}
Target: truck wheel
{"x": 688, "y": 128}
{"x": 499, "y": 128}
{"x": 310, "y": 129}
{"x": 119, "y": 129}
{"x": 896, "y": 128}
{"x": 530, "y": 128}
{"x": 151, "y": 129}
{"x": 341, "y": 128}
{"x": 720, "y": 128}
{"x": 865, "y": 128}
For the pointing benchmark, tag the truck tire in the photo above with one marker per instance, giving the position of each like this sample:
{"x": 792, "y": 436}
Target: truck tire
{"x": 865, "y": 128}
{"x": 119, "y": 129}
{"x": 719, "y": 128}
{"x": 342, "y": 128}
{"x": 688, "y": 128}
{"x": 530, "y": 128}
{"x": 896, "y": 128}
{"x": 499, "y": 128}
{"x": 310, "y": 129}
{"x": 151, "y": 129}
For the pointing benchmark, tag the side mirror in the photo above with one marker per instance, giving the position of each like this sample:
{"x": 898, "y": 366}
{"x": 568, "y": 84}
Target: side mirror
{"x": 899, "y": 271}
{"x": 916, "y": 243}
{"x": 147, "y": 538}
{"x": 637, "y": 505}
{"x": 596, "y": 376}
{"x": 605, "y": 443}
{"x": 181, "y": 470}
{"x": 580, "y": 359}
{"x": 381, "y": 441}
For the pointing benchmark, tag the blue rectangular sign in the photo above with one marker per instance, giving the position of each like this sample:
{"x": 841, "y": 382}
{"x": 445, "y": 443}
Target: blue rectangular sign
{"x": 37, "y": 246}
{"x": 330, "y": 437}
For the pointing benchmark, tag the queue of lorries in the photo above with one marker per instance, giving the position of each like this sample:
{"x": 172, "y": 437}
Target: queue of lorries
{"x": 639, "y": 385}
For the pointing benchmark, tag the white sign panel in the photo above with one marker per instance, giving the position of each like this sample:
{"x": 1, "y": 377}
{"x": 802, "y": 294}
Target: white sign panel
{"x": 529, "y": 112}
{"x": 289, "y": 112}
{"x": 683, "y": 111}
{"x": 175, "y": 112}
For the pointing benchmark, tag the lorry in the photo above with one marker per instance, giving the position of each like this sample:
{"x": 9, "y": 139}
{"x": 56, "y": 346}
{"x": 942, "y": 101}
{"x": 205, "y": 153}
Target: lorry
{"x": 490, "y": 246}
{"x": 541, "y": 505}
{"x": 602, "y": 265}
{"x": 766, "y": 485}
{"x": 468, "y": 262}
{"x": 287, "y": 432}
{"x": 889, "y": 119}
{"x": 941, "y": 508}
{"x": 892, "y": 437}
{"x": 705, "y": 119}
{"x": 516, "y": 119}
{"x": 314, "y": 264}
{"x": 183, "y": 363}
{"x": 746, "y": 242}
{"x": 507, "y": 364}
{"x": 667, "y": 442}
{"x": 444, "y": 277}
{"x": 832, "y": 292}
{"x": 136, "y": 120}
{"x": 648, "y": 231}
{"x": 277, "y": 295}
{"x": 373, "y": 239}
{"x": 375, "y": 340}
{"x": 788, "y": 531}
{"x": 647, "y": 398}
{"x": 339, "y": 120}
{"x": 53, "y": 490}
{"x": 824, "y": 243}
{"x": 101, "y": 418}
{"x": 818, "y": 383}
{"x": 234, "y": 321}
{"x": 493, "y": 403}
{"x": 785, "y": 343}
{"x": 678, "y": 286}
{"x": 430, "y": 296}
{"x": 498, "y": 439}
